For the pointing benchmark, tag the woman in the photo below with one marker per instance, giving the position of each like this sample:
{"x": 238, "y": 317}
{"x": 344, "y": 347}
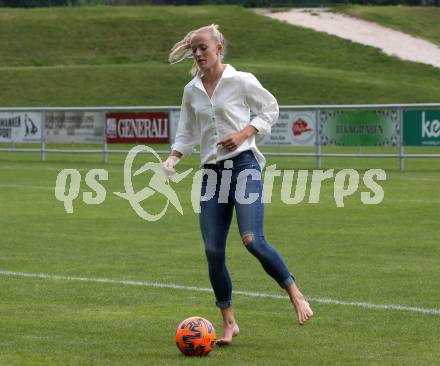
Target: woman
{"x": 215, "y": 113}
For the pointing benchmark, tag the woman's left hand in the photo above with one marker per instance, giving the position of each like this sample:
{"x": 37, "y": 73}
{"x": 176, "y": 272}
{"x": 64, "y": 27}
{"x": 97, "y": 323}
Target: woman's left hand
{"x": 234, "y": 140}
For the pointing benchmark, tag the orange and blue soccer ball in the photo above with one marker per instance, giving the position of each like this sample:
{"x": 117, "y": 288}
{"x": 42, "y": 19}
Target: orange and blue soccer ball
{"x": 195, "y": 336}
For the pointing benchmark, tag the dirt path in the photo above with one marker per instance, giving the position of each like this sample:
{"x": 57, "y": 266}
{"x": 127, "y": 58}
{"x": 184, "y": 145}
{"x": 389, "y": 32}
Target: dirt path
{"x": 390, "y": 41}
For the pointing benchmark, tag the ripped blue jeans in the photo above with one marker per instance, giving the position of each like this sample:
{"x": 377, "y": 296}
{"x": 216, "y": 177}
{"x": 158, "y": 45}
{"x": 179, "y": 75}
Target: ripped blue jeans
{"x": 218, "y": 199}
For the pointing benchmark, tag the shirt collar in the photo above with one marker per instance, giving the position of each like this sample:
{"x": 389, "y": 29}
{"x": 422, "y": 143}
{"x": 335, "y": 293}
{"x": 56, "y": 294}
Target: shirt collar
{"x": 228, "y": 72}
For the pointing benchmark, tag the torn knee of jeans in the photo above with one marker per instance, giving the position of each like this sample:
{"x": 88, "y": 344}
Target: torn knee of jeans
{"x": 248, "y": 238}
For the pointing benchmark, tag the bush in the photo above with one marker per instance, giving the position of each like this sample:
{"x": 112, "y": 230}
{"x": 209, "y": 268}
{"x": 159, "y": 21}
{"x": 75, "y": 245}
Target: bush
{"x": 36, "y": 3}
{"x": 246, "y": 3}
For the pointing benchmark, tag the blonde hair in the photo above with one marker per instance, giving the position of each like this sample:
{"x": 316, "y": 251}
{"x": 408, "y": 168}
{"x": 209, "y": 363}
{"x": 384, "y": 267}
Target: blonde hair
{"x": 182, "y": 49}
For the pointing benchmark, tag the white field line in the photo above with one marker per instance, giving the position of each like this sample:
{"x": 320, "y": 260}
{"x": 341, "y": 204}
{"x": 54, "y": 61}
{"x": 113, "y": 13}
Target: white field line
{"x": 50, "y": 169}
{"x": 26, "y": 186}
{"x": 320, "y": 300}
{"x": 385, "y": 200}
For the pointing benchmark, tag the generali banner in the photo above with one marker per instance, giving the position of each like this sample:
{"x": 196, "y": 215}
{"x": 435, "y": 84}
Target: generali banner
{"x": 138, "y": 127}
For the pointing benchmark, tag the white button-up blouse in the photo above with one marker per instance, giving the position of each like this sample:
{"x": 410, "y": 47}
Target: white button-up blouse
{"x": 206, "y": 121}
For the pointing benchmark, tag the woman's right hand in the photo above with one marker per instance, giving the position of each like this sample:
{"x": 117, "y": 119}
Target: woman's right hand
{"x": 169, "y": 165}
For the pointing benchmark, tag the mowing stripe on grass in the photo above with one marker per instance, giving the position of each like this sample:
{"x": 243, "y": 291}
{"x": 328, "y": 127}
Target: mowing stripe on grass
{"x": 320, "y": 300}
{"x": 399, "y": 176}
{"x": 26, "y": 186}
{"x": 49, "y": 188}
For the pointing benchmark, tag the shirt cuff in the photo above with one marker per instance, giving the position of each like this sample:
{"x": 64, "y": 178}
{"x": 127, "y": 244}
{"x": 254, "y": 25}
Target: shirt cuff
{"x": 183, "y": 149}
{"x": 261, "y": 125}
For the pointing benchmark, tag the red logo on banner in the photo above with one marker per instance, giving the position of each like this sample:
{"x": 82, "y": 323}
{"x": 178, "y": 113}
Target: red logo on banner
{"x": 299, "y": 127}
{"x": 138, "y": 127}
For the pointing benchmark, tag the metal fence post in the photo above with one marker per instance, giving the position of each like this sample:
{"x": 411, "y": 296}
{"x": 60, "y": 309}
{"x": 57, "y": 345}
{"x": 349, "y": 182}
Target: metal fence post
{"x": 105, "y": 147}
{"x": 401, "y": 148}
{"x": 43, "y": 136}
{"x": 318, "y": 138}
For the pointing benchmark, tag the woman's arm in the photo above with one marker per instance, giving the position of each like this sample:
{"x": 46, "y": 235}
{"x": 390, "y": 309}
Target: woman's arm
{"x": 185, "y": 138}
{"x": 263, "y": 104}
{"x": 176, "y": 154}
{"x": 186, "y": 134}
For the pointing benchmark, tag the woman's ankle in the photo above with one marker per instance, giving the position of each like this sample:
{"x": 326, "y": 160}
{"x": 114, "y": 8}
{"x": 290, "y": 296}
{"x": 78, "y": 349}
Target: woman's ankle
{"x": 295, "y": 294}
{"x": 230, "y": 323}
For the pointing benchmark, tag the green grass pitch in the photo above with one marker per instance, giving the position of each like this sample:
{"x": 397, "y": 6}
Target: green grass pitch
{"x": 384, "y": 254}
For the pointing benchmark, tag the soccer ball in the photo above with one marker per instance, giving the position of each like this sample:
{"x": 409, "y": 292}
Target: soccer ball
{"x": 195, "y": 336}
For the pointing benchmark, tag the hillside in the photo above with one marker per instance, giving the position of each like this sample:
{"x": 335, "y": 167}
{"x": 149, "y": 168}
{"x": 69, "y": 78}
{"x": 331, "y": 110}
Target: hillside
{"x": 118, "y": 56}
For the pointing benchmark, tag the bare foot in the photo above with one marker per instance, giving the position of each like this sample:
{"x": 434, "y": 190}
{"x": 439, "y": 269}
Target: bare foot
{"x": 303, "y": 310}
{"x": 302, "y": 307}
{"x": 229, "y": 331}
